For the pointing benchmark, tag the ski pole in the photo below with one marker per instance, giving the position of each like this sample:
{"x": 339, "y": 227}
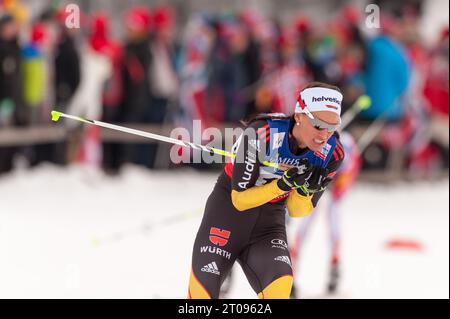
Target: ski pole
{"x": 373, "y": 129}
{"x": 362, "y": 103}
{"x": 212, "y": 150}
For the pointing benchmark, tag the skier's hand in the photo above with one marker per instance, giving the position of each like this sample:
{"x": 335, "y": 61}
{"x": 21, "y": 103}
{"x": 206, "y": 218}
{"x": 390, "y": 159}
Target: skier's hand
{"x": 316, "y": 182}
{"x": 295, "y": 176}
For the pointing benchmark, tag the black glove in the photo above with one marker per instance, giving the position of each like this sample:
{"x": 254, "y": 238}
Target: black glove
{"x": 295, "y": 176}
{"x": 317, "y": 182}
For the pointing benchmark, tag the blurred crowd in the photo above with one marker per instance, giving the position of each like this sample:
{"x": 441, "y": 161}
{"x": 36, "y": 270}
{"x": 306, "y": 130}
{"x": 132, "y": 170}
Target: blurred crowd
{"x": 219, "y": 68}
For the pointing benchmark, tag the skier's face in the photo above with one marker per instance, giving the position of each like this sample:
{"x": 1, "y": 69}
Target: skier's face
{"x": 312, "y": 136}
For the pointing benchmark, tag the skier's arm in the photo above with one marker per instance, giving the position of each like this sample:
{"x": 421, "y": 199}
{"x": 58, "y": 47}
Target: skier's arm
{"x": 298, "y": 204}
{"x": 256, "y": 196}
{"x": 244, "y": 194}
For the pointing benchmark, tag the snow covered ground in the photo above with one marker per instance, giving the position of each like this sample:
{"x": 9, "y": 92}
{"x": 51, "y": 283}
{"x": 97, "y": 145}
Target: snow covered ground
{"x": 72, "y": 233}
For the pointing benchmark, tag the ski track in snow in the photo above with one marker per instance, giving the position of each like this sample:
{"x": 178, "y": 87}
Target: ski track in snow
{"x": 76, "y": 233}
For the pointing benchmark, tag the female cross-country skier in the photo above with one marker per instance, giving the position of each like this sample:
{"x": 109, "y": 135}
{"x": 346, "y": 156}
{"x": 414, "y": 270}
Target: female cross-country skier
{"x": 244, "y": 217}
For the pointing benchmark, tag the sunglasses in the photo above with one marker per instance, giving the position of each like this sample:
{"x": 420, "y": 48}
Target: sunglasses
{"x": 321, "y": 125}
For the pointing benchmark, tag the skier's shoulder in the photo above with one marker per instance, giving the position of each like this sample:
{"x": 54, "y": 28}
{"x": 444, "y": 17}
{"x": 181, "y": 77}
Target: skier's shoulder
{"x": 338, "y": 153}
{"x": 262, "y": 122}
{"x": 257, "y": 124}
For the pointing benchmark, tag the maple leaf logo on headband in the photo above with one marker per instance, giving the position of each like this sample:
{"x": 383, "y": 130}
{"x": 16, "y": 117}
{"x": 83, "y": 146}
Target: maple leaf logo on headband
{"x": 301, "y": 102}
